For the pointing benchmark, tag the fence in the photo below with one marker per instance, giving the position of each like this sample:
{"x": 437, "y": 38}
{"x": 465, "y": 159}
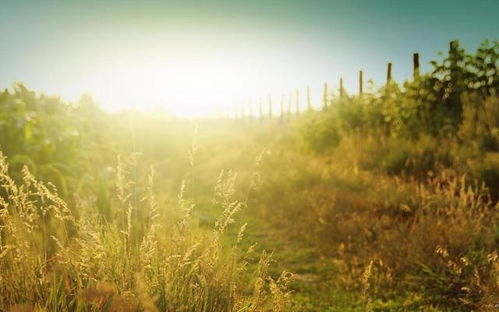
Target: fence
{"x": 286, "y": 111}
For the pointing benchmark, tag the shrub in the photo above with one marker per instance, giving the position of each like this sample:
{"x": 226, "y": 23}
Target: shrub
{"x": 319, "y": 132}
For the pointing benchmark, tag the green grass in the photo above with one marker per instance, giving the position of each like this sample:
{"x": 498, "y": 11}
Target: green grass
{"x": 386, "y": 202}
{"x": 320, "y": 217}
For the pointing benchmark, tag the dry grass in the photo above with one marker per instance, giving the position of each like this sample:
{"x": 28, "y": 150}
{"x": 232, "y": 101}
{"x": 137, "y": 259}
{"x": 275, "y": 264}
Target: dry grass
{"x": 432, "y": 242}
{"x": 51, "y": 260}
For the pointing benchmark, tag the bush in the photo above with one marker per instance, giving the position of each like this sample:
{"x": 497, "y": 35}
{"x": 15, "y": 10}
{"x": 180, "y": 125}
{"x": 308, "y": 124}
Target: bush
{"x": 319, "y": 132}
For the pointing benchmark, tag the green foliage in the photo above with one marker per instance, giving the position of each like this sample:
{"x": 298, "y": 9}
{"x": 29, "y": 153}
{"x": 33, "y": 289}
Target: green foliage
{"x": 45, "y": 134}
{"x": 422, "y": 126}
{"x": 480, "y": 126}
{"x": 389, "y": 212}
{"x": 320, "y": 132}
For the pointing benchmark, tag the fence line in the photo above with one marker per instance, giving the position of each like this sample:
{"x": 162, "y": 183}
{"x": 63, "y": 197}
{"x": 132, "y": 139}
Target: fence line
{"x": 286, "y": 111}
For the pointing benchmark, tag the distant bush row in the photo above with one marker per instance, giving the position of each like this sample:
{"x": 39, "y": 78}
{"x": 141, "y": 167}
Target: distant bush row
{"x": 438, "y": 119}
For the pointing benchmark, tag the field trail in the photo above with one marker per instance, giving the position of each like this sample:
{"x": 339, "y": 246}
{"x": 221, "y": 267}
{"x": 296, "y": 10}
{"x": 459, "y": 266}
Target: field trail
{"x": 269, "y": 212}
{"x": 315, "y": 276}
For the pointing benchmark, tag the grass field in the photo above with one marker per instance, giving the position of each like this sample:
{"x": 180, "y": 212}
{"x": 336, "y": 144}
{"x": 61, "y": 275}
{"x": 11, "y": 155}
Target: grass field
{"x": 385, "y": 201}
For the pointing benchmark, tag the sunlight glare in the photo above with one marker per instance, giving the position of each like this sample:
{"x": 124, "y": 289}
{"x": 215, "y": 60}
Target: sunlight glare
{"x": 184, "y": 86}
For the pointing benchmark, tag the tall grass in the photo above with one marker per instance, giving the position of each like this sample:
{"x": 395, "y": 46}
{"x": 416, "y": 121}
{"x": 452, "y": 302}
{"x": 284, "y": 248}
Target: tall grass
{"x": 52, "y": 261}
{"x": 388, "y": 235}
{"x": 395, "y": 191}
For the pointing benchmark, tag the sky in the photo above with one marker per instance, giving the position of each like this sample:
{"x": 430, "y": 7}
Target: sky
{"x": 196, "y": 57}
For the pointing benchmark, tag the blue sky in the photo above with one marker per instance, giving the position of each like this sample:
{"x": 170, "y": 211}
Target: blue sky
{"x": 160, "y": 52}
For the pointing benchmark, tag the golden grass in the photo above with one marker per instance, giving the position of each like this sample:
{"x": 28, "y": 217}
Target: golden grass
{"x": 52, "y": 261}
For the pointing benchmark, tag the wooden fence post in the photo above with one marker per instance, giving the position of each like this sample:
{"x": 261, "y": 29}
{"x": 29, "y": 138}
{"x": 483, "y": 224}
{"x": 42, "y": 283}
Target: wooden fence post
{"x": 341, "y": 88}
{"x": 309, "y": 102}
{"x": 361, "y": 81}
{"x": 297, "y": 102}
{"x": 415, "y": 61}
{"x": 452, "y": 45}
{"x": 325, "y": 98}
{"x": 389, "y": 73}
{"x": 281, "y": 118}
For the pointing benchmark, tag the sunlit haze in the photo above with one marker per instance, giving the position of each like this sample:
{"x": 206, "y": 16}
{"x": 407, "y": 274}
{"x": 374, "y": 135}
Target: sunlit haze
{"x": 249, "y": 155}
{"x": 194, "y": 58}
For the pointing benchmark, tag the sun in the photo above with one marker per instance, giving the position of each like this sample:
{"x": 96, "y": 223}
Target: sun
{"x": 183, "y": 86}
{"x": 186, "y": 77}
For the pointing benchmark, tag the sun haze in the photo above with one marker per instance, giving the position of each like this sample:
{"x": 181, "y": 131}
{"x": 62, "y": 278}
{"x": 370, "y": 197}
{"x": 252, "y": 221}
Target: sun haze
{"x": 249, "y": 155}
{"x": 198, "y": 57}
